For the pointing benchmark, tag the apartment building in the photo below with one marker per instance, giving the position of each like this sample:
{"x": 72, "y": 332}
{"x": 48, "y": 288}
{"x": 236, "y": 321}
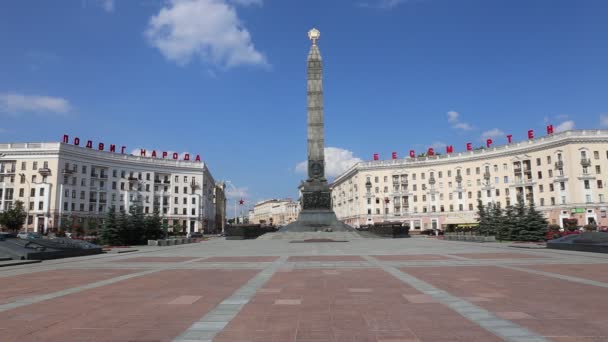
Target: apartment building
{"x": 563, "y": 174}
{"x": 56, "y": 181}
{"x": 278, "y": 212}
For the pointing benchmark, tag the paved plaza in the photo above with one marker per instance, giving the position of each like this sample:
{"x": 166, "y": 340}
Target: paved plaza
{"x": 376, "y": 290}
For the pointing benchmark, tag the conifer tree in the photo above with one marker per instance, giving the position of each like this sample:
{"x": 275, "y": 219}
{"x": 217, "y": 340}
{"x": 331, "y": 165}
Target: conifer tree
{"x": 496, "y": 219}
{"x": 110, "y": 232}
{"x": 518, "y": 220}
{"x": 506, "y": 224}
{"x": 136, "y": 225}
{"x": 123, "y": 225}
{"x": 153, "y": 229}
{"x": 535, "y": 225}
{"x": 13, "y": 218}
{"x": 482, "y": 219}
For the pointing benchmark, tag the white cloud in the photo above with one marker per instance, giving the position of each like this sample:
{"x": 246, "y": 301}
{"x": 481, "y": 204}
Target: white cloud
{"x": 13, "y": 103}
{"x": 247, "y": 2}
{"x": 604, "y": 120}
{"x": 237, "y": 192}
{"x": 337, "y": 160}
{"x": 438, "y": 144}
{"x": 107, "y": 5}
{"x": 493, "y": 133}
{"x": 381, "y": 4}
{"x": 564, "y": 126}
{"x": 463, "y": 126}
{"x": 453, "y": 116}
{"x": 454, "y": 119}
{"x": 207, "y": 29}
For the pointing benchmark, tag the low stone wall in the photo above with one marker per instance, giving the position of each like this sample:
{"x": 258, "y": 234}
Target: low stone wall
{"x": 247, "y": 231}
{"x": 170, "y": 242}
{"x": 468, "y": 237}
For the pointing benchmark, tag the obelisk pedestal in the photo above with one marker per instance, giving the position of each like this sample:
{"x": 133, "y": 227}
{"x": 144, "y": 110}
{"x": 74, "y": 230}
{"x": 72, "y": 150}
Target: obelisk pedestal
{"x": 316, "y": 213}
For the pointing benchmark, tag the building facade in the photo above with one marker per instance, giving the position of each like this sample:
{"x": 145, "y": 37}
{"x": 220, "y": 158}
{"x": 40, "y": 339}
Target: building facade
{"x": 563, "y": 174}
{"x": 275, "y": 212}
{"x": 58, "y": 181}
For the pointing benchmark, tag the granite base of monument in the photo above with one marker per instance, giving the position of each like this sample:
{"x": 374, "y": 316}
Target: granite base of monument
{"x": 316, "y": 214}
{"x": 596, "y": 242}
{"x": 317, "y": 220}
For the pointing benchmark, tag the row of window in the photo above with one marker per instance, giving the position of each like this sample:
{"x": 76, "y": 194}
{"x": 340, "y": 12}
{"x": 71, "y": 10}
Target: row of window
{"x": 101, "y": 208}
{"x": 123, "y": 173}
{"x": 433, "y": 208}
{"x": 45, "y": 165}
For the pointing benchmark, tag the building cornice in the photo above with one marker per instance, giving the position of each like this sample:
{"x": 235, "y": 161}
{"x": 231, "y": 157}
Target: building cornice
{"x": 509, "y": 150}
{"x": 79, "y": 153}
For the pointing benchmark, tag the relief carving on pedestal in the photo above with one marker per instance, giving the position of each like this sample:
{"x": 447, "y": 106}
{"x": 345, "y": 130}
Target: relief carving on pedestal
{"x": 316, "y": 200}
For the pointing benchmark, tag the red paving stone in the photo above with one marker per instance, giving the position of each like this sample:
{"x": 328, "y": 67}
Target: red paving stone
{"x": 139, "y": 309}
{"x": 242, "y": 259}
{"x": 313, "y": 305}
{"x": 597, "y": 272}
{"x": 32, "y": 284}
{"x": 558, "y": 308}
{"x": 490, "y": 256}
{"x": 412, "y": 257}
{"x": 156, "y": 259}
{"x": 326, "y": 258}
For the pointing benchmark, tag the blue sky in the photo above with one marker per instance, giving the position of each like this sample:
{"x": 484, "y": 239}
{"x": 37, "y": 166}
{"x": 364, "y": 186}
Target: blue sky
{"x": 226, "y": 78}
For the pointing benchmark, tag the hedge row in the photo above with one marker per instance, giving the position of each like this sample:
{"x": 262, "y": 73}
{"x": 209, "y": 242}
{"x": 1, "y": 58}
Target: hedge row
{"x": 247, "y": 231}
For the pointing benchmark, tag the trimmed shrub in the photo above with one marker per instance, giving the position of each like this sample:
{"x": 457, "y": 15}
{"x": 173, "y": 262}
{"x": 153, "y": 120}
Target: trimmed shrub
{"x": 392, "y": 230}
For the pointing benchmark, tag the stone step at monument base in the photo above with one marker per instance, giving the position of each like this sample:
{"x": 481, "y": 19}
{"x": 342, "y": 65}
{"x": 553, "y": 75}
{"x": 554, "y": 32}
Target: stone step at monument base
{"x": 312, "y": 236}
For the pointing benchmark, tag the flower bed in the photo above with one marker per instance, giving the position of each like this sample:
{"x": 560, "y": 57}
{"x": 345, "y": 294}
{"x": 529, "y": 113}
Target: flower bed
{"x": 552, "y": 235}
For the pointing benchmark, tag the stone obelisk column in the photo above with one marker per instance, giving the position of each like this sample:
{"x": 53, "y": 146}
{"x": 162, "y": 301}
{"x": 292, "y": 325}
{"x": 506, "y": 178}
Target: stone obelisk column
{"x": 316, "y": 214}
{"x": 316, "y": 134}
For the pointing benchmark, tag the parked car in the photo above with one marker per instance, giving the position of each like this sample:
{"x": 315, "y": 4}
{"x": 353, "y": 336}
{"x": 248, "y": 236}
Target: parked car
{"x": 29, "y": 235}
{"x": 195, "y": 235}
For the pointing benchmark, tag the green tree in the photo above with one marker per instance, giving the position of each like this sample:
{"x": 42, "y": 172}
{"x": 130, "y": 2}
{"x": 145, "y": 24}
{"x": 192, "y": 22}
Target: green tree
{"x": 110, "y": 231}
{"x": 534, "y": 225}
{"x": 507, "y": 218}
{"x": 518, "y": 219}
{"x": 14, "y": 218}
{"x": 66, "y": 223}
{"x": 136, "y": 225}
{"x": 123, "y": 224}
{"x": 153, "y": 227}
{"x": 482, "y": 219}
{"x": 496, "y": 219}
{"x": 178, "y": 229}
{"x": 92, "y": 226}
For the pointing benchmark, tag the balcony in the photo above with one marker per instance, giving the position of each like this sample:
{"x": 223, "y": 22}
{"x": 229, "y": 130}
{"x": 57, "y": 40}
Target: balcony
{"x": 166, "y": 181}
{"x": 45, "y": 171}
{"x": 559, "y": 165}
{"x": 94, "y": 175}
{"x": 486, "y": 175}
{"x": 103, "y": 176}
{"x": 67, "y": 171}
{"x": 132, "y": 179}
{"x": 157, "y": 181}
{"x": 585, "y": 162}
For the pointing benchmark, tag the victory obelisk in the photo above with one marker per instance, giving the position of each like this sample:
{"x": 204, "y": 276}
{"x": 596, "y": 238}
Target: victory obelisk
{"x": 316, "y": 211}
